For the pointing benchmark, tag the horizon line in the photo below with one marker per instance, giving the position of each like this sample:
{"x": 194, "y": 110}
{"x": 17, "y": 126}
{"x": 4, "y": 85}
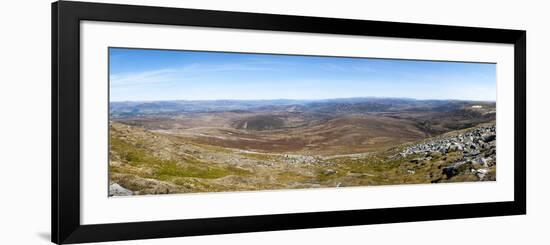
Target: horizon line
{"x": 334, "y": 98}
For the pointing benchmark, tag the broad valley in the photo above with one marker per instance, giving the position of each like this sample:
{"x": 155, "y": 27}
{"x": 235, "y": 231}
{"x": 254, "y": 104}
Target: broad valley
{"x": 188, "y": 146}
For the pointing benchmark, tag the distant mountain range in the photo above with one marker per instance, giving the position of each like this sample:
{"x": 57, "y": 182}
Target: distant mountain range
{"x": 337, "y": 105}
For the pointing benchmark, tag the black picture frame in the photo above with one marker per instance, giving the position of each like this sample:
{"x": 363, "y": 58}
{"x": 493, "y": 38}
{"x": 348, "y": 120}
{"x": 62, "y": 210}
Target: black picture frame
{"x": 66, "y": 17}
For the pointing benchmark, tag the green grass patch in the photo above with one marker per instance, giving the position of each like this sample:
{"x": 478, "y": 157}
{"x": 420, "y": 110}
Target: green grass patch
{"x": 286, "y": 177}
{"x": 168, "y": 169}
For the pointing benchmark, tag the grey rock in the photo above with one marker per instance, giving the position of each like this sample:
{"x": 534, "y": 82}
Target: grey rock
{"x": 478, "y": 148}
{"x": 117, "y": 190}
{"x": 481, "y": 173}
{"x": 329, "y": 172}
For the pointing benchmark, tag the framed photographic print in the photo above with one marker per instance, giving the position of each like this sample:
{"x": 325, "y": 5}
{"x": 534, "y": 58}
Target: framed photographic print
{"x": 176, "y": 122}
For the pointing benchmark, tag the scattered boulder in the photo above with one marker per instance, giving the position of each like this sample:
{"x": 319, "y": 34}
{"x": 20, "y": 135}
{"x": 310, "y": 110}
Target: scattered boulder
{"x": 329, "y": 172}
{"x": 489, "y": 138}
{"x": 117, "y": 190}
{"x": 456, "y": 168}
{"x": 481, "y": 173}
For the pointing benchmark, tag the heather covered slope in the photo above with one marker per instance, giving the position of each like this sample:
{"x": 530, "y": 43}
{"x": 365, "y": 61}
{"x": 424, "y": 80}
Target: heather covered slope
{"x": 301, "y": 146}
{"x": 319, "y": 127}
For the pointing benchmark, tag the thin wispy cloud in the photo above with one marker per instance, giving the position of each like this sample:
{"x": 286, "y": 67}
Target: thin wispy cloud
{"x": 187, "y": 75}
{"x": 145, "y": 77}
{"x": 182, "y": 73}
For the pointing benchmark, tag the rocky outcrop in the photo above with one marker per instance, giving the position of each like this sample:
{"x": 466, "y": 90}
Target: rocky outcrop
{"x": 476, "y": 151}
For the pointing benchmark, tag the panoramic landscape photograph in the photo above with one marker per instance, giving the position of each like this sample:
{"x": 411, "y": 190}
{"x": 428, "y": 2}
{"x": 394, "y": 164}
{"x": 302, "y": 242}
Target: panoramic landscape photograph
{"x": 203, "y": 121}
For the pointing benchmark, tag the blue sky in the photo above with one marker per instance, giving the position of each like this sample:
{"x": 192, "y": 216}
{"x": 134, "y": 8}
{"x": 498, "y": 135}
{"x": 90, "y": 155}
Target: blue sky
{"x": 141, "y": 74}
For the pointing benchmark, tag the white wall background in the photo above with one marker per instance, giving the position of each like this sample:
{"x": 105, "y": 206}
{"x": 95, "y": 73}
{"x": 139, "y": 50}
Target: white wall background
{"x": 25, "y": 123}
